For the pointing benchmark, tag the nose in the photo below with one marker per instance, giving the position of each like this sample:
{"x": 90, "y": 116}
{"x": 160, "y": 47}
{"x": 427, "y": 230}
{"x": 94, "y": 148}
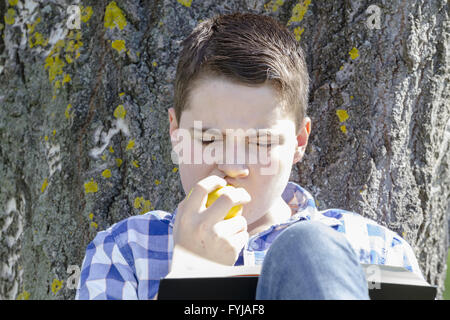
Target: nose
{"x": 234, "y": 170}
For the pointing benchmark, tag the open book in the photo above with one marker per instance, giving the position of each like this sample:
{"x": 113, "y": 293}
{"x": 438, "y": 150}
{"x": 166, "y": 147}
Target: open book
{"x": 235, "y": 283}
{"x": 215, "y": 272}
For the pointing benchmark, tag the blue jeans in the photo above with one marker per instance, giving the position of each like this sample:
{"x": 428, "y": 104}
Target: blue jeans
{"x": 311, "y": 261}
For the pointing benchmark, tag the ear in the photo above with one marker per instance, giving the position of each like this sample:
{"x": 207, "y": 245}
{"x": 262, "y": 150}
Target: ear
{"x": 173, "y": 125}
{"x": 302, "y": 140}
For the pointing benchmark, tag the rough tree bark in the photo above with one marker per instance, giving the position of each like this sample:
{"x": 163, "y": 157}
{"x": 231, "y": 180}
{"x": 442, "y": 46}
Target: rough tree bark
{"x": 84, "y": 130}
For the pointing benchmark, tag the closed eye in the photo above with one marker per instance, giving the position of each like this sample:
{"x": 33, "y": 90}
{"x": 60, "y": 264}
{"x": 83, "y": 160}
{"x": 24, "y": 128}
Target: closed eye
{"x": 208, "y": 140}
{"x": 266, "y": 145}
{"x": 259, "y": 143}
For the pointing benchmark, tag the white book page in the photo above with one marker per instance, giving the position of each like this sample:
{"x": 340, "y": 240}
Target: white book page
{"x": 190, "y": 265}
{"x": 216, "y": 272}
{"x": 186, "y": 264}
{"x": 392, "y": 274}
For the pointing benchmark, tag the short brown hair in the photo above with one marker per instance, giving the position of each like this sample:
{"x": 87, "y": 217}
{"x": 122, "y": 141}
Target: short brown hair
{"x": 244, "y": 48}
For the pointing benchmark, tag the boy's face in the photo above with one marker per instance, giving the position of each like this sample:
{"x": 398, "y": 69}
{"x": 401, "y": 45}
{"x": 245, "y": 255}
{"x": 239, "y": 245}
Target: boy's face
{"x": 223, "y": 105}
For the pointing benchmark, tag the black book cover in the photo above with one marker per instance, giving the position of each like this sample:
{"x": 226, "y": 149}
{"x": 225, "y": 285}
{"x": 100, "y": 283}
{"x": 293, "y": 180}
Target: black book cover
{"x": 386, "y": 283}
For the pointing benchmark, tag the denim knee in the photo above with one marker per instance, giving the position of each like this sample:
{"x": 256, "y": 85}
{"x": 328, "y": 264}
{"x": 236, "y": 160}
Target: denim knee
{"x": 312, "y": 243}
{"x": 310, "y": 260}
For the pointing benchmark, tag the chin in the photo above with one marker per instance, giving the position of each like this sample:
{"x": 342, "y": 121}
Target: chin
{"x": 249, "y": 215}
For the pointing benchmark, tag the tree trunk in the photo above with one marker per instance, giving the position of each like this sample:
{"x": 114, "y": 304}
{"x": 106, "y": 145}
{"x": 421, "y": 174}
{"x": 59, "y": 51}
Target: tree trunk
{"x": 84, "y": 125}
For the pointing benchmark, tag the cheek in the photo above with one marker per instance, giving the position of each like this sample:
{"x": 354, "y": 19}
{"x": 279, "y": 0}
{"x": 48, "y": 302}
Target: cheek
{"x": 274, "y": 162}
{"x": 261, "y": 189}
{"x": 186, "y": 177}
{"x": 190, "y": 174}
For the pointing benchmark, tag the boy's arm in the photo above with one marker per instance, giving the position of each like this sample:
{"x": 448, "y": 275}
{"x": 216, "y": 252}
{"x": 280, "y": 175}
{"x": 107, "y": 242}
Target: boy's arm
{"x": 400, "y": 253}
{"x": 105, "y": 273}
{"x": 367, "y": 236}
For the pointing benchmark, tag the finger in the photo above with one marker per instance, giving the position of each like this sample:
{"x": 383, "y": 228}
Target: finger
{"x": 239, "y": 240}
{"x": 196, "y": 199}
{"x": 231, "y": 197}
{"x": 228, "y": 228}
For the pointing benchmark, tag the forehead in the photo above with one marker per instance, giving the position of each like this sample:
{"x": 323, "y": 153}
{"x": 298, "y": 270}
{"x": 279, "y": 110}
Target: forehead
{"x": 222, "y": 104}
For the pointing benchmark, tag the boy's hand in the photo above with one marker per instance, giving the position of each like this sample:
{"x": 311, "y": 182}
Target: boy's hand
{"x": 204, "y": 231}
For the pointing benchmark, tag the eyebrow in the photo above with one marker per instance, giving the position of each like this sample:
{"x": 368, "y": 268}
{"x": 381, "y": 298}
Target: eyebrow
{"x": 259, "y": 132}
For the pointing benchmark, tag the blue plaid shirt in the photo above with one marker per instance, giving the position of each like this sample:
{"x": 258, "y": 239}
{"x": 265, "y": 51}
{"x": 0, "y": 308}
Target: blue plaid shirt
{"x": 127, "y": 260}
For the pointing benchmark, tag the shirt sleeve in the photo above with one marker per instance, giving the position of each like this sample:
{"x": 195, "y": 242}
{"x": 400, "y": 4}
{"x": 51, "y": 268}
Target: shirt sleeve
{"x": 377, "y": 244}
{"x": 400, "y": 253}
{"x": 105, "y": 273}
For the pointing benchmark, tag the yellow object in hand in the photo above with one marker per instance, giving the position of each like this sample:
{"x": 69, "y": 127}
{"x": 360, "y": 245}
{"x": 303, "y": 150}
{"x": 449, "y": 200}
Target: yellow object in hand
{"x": 213, "y": 196}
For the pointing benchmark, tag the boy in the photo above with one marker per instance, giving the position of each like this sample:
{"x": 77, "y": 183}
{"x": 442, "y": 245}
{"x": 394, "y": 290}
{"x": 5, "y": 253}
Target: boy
{"x": 244, "y": 74}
